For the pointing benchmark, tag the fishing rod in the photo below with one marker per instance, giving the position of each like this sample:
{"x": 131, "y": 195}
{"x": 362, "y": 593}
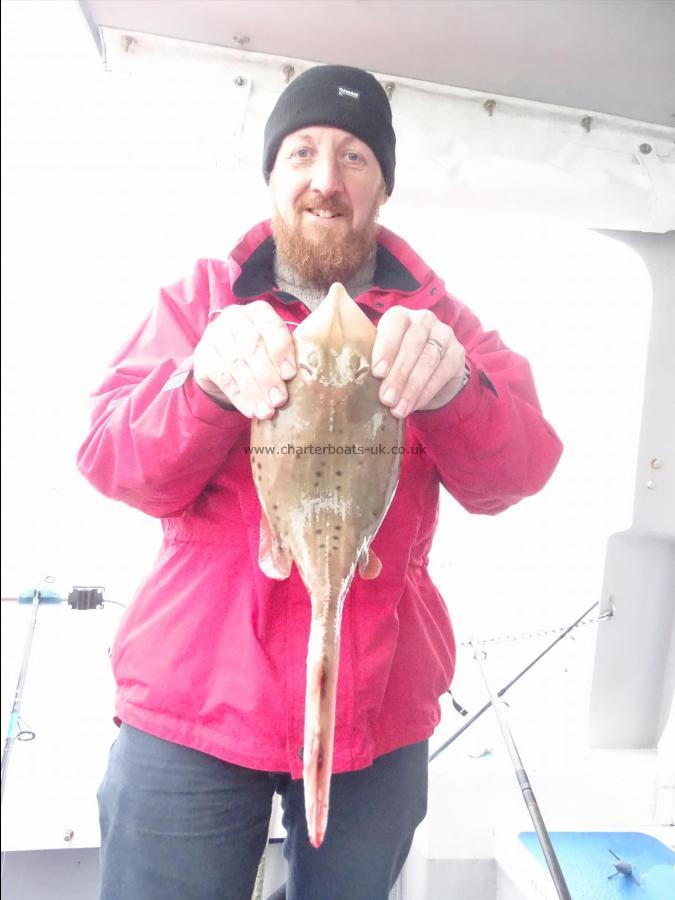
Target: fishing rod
{"x": 79, "y": 598}
{"x": 517, "y": 677}
{"x": 524, "y": 782}
{"x": 13, "y": 730}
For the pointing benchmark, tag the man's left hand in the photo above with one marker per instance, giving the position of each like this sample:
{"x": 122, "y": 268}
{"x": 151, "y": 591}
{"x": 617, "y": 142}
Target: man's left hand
{"x": 419, "y": 359}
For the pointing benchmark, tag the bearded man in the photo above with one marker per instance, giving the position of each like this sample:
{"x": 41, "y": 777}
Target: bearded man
{"x": 209, "y": 660}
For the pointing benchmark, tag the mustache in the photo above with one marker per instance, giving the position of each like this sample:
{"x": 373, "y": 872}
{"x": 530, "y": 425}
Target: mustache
{"x": 334, "y": 205}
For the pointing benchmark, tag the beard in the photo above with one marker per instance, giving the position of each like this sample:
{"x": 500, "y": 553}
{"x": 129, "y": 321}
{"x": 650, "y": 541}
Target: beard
{"x": 324, "y": 258}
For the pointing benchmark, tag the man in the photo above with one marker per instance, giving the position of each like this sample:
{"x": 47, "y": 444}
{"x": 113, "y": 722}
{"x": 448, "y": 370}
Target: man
{"x": 209, "y": 660}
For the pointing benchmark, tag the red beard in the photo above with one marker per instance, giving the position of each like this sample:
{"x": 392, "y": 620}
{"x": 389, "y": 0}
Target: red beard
{"x": 325, "y": 258}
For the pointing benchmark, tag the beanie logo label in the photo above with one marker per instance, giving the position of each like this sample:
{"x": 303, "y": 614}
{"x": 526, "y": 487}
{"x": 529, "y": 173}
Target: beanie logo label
{"x": 345, "y": 92}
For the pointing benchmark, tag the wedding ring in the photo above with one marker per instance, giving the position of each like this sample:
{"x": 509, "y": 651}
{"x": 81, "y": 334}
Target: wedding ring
{"x": 436, "y": 344}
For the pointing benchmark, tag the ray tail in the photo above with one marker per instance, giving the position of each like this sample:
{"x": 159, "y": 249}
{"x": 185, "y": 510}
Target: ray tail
{"x": 322, "y": 668}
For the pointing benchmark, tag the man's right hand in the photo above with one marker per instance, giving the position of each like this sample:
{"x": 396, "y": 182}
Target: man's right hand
{"x": 244, "y": 358}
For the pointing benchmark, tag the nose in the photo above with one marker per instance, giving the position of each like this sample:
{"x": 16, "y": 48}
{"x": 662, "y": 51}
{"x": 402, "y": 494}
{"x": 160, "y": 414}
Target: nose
{"x": 326, "y": 176}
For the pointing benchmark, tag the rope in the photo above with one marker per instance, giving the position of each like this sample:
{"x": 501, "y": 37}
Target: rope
{"x": 528, "y": 635}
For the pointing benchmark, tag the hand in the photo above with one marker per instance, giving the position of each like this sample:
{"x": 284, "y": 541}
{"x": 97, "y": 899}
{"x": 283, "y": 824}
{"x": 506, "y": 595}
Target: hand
{"x": 244, "y": 358}
{"x": 419, "y": 359}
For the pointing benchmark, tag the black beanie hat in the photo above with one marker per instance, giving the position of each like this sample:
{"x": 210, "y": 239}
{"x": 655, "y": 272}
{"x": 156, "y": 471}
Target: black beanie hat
{"x": 337, "y": 96}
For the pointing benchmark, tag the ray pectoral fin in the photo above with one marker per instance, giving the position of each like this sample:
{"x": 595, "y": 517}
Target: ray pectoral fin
{"x": 370, "y": 565}
{"x": 274, "y": 560}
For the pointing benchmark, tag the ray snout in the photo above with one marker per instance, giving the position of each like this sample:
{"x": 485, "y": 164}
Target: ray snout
{"x": 338, "y": 322}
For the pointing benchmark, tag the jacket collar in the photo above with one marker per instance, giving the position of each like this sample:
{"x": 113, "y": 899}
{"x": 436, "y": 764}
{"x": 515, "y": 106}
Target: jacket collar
{"x": 398, "y": 270}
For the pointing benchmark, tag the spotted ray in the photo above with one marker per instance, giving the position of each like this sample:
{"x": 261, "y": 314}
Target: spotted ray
{"x": 325, "y": 475}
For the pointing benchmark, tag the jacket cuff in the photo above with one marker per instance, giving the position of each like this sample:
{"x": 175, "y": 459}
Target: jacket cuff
{"x": 207, "y": 410}
{"x": 454, "y": 412}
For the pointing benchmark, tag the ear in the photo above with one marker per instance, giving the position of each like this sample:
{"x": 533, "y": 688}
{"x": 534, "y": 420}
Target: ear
{"x": 272, "y": 191}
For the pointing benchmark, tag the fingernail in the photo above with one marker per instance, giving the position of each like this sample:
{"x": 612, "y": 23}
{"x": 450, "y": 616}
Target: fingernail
{"x": 401, "y": 410}
{"x": 276, "y": 396}
{"x": 389, "y": 397}
{"x": 380, "y": 370}
{"x": 263, "y": 410}
{"x": 287, "y": 369}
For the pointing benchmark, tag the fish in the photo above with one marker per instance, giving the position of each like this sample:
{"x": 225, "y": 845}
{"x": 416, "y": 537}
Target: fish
{"x": 325, "y": 468}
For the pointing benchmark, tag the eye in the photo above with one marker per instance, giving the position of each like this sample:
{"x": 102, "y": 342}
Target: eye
{"x": 353, "y": 157}
{"x": 310, "y": 364}
{"x": 358, "y": 365}
{"x": 301, "y": 153}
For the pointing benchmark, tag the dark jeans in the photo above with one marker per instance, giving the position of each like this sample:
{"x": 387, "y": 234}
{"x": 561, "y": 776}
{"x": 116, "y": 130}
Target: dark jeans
{"x": 177, "y": 824}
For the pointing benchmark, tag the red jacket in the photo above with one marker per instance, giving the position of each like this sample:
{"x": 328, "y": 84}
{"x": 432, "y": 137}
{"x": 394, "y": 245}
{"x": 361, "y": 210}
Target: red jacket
{"x": 211, "y": 653}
